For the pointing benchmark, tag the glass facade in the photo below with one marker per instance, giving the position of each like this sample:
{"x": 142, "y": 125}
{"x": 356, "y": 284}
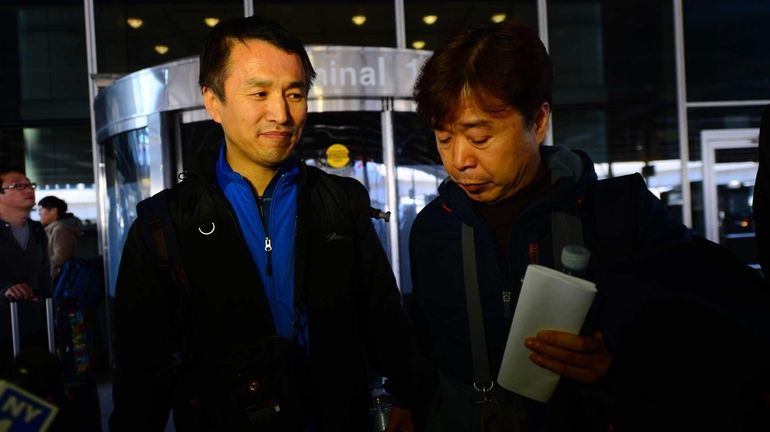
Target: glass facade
{"x": 44, "y": 108}
{"x": 133, "y": 35}
{"x": 429, "y": 23}
{"x": 726, "y": 50}
{"x": 127, "y": 168}
{"x": 369, "y": 23}
{"x": 615, "y": 97}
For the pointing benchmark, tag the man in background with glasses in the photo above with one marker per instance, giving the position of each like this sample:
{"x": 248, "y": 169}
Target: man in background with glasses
{"x": 24, "y": 267}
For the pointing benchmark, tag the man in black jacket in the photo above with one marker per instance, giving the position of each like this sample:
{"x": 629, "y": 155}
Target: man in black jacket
{"x": 283, "y": 298}
{"x": 24, "y": 268}
{"x": 487, "y": 94}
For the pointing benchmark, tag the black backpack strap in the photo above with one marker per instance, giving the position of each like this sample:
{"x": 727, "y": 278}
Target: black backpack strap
{"x": 157, "y": 227}
{"x": 566, "y": 229}
{"x": 481, "y": 377}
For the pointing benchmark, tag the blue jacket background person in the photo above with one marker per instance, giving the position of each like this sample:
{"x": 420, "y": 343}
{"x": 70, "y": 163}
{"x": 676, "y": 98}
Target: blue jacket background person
{"x": 487, "y": 94}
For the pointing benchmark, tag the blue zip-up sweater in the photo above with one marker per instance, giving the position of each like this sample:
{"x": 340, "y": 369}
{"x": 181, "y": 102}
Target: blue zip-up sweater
{"x": 270, "y": 238}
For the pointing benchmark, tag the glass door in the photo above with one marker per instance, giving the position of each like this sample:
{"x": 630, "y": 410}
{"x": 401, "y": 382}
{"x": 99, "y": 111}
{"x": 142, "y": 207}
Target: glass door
{"x": 729, "y": 170}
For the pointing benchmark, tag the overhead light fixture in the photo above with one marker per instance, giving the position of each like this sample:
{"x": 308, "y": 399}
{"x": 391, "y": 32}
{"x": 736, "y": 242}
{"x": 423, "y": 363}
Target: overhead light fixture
{"x": 134, "y": 23}
{"x": 498, "y": 17}
{"x": 418, "y": 44}
{"x": 211, "y": 21}
{"x": 358, "y": 20}
{"x": 429, "y": 19}
{"x": 161, "y": 49}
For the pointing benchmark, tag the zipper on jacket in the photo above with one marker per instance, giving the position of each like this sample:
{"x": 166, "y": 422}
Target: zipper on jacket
{"x": 268, "y": 242}
{"x": 268, "y": 249}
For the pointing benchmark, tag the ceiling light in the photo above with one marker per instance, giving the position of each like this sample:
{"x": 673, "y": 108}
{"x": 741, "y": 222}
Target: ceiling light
{"x": 161, "y": 49}
{"x": 358, "y": 19}
{"x": 429, "y": 19}
{"x": 498, "y": 17}
{"x": 418, "y": 44}
{"x": 211, "y": 21}
{"x": 134, "y": 23}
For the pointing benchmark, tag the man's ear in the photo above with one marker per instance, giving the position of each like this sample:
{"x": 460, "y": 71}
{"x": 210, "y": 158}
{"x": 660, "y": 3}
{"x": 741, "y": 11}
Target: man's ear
{"x": 542, "y": 119}
{"x": 212, "y": 103}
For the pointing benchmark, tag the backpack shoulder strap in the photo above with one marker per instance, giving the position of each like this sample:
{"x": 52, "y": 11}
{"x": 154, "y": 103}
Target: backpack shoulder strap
{"x": 566, "y": 229}
{"x": 614, "y": 203}
{"x": 158, "y": 229}
{"x": 159, "y": 233}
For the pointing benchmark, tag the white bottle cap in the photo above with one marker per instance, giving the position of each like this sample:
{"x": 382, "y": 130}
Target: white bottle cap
{"x": 575, "y": 257}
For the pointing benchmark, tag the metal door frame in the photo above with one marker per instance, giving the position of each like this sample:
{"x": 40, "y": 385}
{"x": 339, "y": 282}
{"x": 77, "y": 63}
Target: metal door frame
{"x": 711, "y": 141}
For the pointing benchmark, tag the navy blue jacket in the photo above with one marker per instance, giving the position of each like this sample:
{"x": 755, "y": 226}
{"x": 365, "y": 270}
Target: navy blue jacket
{"x": 619, "y": 217}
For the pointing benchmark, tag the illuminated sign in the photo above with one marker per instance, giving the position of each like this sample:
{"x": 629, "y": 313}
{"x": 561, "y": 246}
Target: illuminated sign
{"x": 364, "y": 71}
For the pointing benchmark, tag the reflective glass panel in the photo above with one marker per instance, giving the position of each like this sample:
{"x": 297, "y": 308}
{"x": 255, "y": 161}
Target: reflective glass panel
{"x": 429, "y": 23}
{"x": 43, "y": 68}
{"x": 127, "y": 167}
{"x": 726, "y": 49}
{"x": 615, "y": 90}
{"x": 132, "y": 35}
{"x": 419, "y": 174}
{"x": 357, "y": 23}
{"x": 720, "y": 118}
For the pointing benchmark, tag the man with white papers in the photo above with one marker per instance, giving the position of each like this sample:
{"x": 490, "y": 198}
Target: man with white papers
{"x": 487, "y": 94}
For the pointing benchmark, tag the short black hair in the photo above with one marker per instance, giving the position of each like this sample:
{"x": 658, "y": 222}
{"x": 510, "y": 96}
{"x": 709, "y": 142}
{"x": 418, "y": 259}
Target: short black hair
{"x": 51, "y": 202}
{"x": 506, "y": 61}
{"x": 5, "y": 169}
{"x": 216, "y": 51}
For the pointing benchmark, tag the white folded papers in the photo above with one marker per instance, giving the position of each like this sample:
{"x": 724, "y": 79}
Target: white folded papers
{"x": 549, "y": 300}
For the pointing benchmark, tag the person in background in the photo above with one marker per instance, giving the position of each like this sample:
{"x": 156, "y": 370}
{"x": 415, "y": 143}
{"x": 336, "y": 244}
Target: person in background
{"x": 281, "y": 275}
{"x": 24, "y": 269}
{"x": 487, "y": 92}
{"x": 63, "y": 230}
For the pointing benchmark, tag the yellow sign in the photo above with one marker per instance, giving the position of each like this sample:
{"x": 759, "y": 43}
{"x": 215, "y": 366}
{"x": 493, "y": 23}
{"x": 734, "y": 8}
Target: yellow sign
{"x": 337, "y": 156}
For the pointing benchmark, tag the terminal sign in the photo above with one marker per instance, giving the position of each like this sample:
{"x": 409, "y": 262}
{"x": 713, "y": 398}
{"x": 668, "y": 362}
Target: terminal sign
{"x": 365, "y": 71}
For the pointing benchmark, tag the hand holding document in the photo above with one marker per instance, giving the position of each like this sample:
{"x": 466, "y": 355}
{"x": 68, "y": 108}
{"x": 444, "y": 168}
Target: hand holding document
{"x": 550, "y": 300}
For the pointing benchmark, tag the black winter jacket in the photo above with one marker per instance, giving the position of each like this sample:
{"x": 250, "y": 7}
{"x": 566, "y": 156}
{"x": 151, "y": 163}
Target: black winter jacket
{"x": 629, "y": 219}
{"x": 341, "y": 273}
{"x": 19, "y": 265}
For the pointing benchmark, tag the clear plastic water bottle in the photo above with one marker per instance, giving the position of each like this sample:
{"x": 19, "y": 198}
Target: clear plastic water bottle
{"x": 574, "y": 260}
{"x": 379, "y": 410}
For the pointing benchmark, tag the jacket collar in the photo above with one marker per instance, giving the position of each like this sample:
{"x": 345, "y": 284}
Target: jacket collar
{"x": 202, "y": 165}
{"x": 570, "y": 171}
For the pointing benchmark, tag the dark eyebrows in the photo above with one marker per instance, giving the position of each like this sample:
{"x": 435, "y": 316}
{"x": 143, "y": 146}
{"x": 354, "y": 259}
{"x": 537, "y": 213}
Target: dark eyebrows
{"x": 479, "y": 123}
{"x": 297, "y": 85}
{"x": 256, "y": 82}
